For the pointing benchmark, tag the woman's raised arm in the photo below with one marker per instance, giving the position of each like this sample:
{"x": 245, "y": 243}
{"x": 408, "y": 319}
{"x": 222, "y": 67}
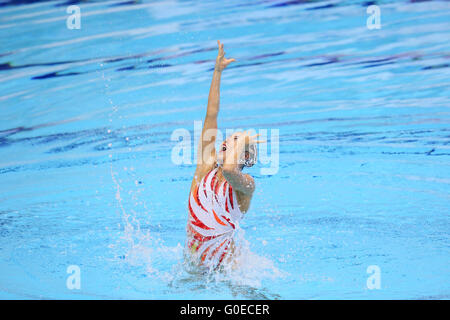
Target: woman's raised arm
{"x": 206, "y": 154}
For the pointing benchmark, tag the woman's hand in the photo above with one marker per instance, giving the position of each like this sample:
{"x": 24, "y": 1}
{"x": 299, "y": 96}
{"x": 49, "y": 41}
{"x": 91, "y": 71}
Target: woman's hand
{"x": 244, "y": 140}
{"x": 221, "y": 61}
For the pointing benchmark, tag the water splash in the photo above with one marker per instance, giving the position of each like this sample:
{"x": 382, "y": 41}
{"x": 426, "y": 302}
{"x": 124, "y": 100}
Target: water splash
{"x": 247, "y": 271}
{"x": 243, "y": 275}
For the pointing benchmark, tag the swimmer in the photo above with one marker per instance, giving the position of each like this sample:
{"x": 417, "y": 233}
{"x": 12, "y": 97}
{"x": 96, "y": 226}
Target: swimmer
{"x": 220, "y": 192}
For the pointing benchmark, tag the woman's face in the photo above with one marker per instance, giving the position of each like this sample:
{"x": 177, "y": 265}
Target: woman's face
{"x": 227, "y": 147}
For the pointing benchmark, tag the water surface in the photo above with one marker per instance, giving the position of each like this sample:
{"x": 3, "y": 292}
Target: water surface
{"x": 86, "y": 176}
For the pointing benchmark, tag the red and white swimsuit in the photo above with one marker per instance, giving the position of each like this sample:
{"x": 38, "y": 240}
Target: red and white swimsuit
{"x": 214, "y": 215}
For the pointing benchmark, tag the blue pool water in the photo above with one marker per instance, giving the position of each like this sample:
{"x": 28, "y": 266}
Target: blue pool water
{"x": 86, "y": 118}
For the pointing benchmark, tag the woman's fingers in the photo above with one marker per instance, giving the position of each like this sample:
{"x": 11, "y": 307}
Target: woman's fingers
{"x": 252, "y": 138}
{"x": 228, "y": 61}
{"x": 220, "y": 48}
{"x": 221, "y": 61}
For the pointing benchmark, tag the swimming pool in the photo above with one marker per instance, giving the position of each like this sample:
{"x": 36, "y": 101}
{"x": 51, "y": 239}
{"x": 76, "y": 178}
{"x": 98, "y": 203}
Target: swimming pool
{"x": 86, "y": 177}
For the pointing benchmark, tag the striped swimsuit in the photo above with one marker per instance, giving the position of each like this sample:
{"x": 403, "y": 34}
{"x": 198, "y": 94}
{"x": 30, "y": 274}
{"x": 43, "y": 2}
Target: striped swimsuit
{"x": 214, "y": 215}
